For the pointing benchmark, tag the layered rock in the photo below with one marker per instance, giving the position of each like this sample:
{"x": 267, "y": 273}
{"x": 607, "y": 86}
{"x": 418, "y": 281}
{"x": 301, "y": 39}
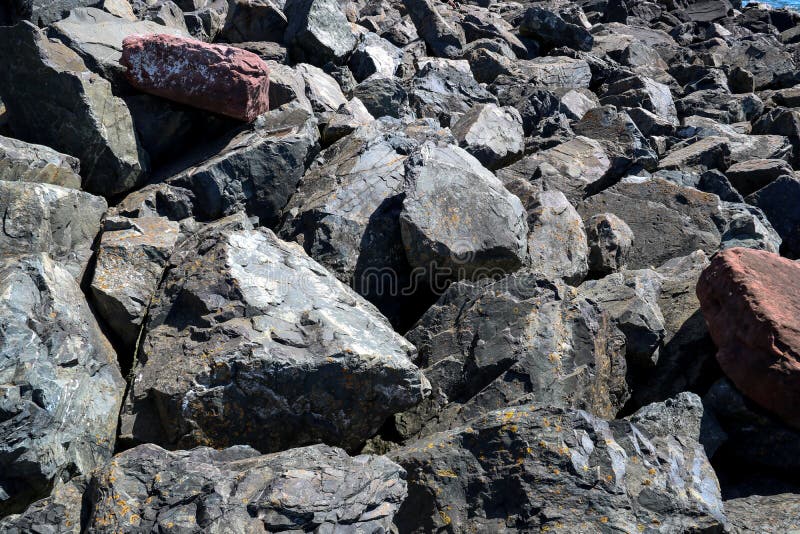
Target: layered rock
{"x": 28, "y": 162}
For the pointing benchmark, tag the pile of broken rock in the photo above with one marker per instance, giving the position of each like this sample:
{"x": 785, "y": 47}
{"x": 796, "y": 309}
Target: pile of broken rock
{"x": 399, "y": 266}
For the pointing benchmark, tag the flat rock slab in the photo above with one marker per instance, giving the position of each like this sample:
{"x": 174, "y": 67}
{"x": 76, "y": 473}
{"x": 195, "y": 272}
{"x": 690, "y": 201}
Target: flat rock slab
{"x": 751, "y": 302}
{"x": 222, "y": 79}
{"x": 26, "y": 162}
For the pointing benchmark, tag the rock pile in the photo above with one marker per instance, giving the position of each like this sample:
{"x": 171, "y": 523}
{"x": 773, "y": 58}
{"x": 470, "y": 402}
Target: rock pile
{"x": 399, "y": 266}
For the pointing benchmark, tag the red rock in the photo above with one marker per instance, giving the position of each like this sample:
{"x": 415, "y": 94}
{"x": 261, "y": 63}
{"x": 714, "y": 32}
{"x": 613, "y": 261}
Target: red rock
{"x": 751, "y": 302}
{"x": 217, "y": 78}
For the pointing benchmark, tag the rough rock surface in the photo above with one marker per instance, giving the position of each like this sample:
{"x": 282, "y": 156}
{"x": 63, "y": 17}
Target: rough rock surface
{"x": 147, "y": 488}
{"x": 492, "y": 134}
{"x": 317, "y": 31}
{"x": 564, "y": 470}
{"x": 27, "y": 162}
{"x": 519, "y": 339}
{"x": 241, "y": 317}
{"x": 217, "y": 78}
{"x": 60, "y": 383}
{"x": 53, "y": 99}
{"x": 48, "y": 218}
{"x": 610, "y": 241}
{"x": 750, "y": 301}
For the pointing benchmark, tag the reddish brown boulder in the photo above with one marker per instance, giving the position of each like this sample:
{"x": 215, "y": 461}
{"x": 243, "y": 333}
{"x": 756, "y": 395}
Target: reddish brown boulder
{"x": 751, "y": 302}
{"x": 217, "y": 78}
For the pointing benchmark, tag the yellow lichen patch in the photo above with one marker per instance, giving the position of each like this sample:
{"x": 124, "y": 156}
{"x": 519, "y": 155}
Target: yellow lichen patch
{"x": 449, "y": 473}
{"x": 604, "y": 519}
{"x": 652, "y": 471}
{"x": 445, "y": 518}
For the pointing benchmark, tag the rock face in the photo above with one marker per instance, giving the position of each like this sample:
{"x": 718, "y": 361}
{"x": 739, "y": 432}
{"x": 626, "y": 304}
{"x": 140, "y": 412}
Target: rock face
{"x": 41, "y": 13}
{"x": 53, "y": 99}
{"x": 55, "y": 363}
{"x": 565, "y": 470}
{"x": 48, "y": 218}
{"x": 271, "y": 316}
{"x": 446, "y": 230}
{"x": 610, "y": 241}
{"x": 519, "y": 339}
{"x": 492, "y": 134}
{"x": 317, "y": 31}
{"x": 750, "y": 301}
{"x": 36, "y": 163}
{"x": 222, "y": 79}
{"x": 769, "y": 513}
{"x": 315, "y": 488}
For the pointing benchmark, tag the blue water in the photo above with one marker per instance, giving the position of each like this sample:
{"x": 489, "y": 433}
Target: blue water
{"x": 784, "y": 3}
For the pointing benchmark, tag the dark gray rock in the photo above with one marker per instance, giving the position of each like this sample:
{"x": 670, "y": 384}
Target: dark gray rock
{"x": 668, "y": 220}
{"x": 258, "y": 169}
{"x": 445, "y": 92}
{"x": 60, "y": 383}
{"x": 706, "y": 153}
{"x": 630, "y": 299}
{"x": 447, "y": 231}
{"x": 778, "y": 121}
{"x": 720, "y": 106}
{"x": 556, "y": 71}
{"x": 443, "y": 37}
{"x": 322, "y": 91}
{"x": 642, "y": 92}
{"x": 750, "y": 176}
{"x": 492, "y": 134}
{"x": 557, "y": 246}
{"x": 53, "y": 99}
{"x": 560, "y": 470}
{"x": 314, "y": 489}
{"x": 771, "y": 65}
{"x": 206, "y": 22}
{"x": 384, "y": 97}
{"x": 167, "y": 13}
{"x": 551, "y": 30}
{"x": 348, "y": 118}
{"x": 26, "y": 162}
{"x": 491, "y": 344}
{"x": 534, "y": 104}
{"x": 747, "y": 226}
{"x": 157, "y": 200}
{"x": 249, "y": 341}
{"x": 131, "y": 258}
{"x": 610, "y": 242}
{"x": 59, "y": 513}
{"x": 374, "y": 56}
{"x": 768, "y": 513}
{"x": 318, "y": 31}
{"x": 48, "y": 218}
{"x": 624, "y": 143}
{"x": 779, "y": 203}
{"x": 254, "y": 20}
{"x": 41, "y": 12}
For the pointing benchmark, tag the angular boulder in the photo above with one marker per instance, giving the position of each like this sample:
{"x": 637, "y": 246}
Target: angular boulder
{"x": 778, "y": 201}
{"x": 48, "y": 218}
{"x": 26, "y": 162}
{"x": 750, "y": 176}
{"x": 751, "y": 302}
{"x": 317, "y": 32}
{"x": 610, "y": 242}
{"x": 311, "y": 489}
{"x": 249, "y": 341}
{"x": 447, "y": 230}
{"x": 444, "y": 92}
{"x": 494, "y": 343}
{"x": 551, "y": 30}
{"x": 254, "y": 20}
{"x": 561, "y": 470}
{"x": 218, "y": 78}
{"x": 443, "y": 37}
{"x": 54, "y": 100}
{"x": 60, "y": 385}
{"x": 492, "y": 134}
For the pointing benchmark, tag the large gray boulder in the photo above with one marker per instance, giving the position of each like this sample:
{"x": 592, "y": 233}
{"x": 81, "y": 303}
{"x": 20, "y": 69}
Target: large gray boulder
{"x": 490, "y": 344}
{"x": 249, "y": 341}
{"x": 53, "y": 99}
{"x": 131, "y": 257}
{"x": 621, "y": 138}
{"x": 668, "y": 220}
{"x": 557, "y": 246}
{"x": 257, "y": 169}
{"x": 97, "y": 38}
{"x": 26, "y": 162}
{"x": 764, "y": 513}
{"x": 491, "y": 133}
{"x": 346, "y": 212}
{"x": 48, "y": 218}
{"x": 60, "y": 385}
{"x": 443, "y": 37}
{"x": 42, "y": 12}
{"x": 444, "y": 92}
{"x": 317, "y": 32}
{"x": 254, "y": 20}
{"x": 149, "y": 489}
{"x": 610, "y": 242}
{"x": 556, "y": 72}
{"x": 561, "y": 470}
{"x": 447, "y": 230}
{"x": 551, "y": 30}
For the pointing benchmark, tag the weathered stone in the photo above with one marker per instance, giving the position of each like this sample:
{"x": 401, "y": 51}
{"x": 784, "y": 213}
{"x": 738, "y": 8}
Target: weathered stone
{"x": 318, "y": 31}
{"x": 447, "y": 230}
{"x": 97, "y": 37}
{"x": 557, "y": 244}
{"x": 534, "y": 104}
{"x": 551, "y": 30}
{"x": 750, "y": 176}
{"x": 317, "y": 488}
{"x": 557, "y": 71}
{"x": 346, "y": 120}
{"x": 492, "y": 134}
{"x": 384, "y": 97}
{"x": 254, "y": 20}
{"x": 374, "y": 56}
{"x": 258, "y": 169}
{"x": 778, "y": 121}
{"x": 743, "y": 147}
{"x": 249, "y": 341}
{"x": 59, "y": 513}
{"x": 131, "y": 258}
{"x": 519, "y": 339}
{"x": 707, "y": 153}
{"x": 564, "y": 470}
{"x": 720, "y": 106}
{"x": 778, "y": 201}
{"x": 60, "y": 383}
{"x": 48, "y": 218}
{"x": 610, "y": 242}
{"x": 768, "y": 513}
{"x": 622, "y": 140}
{"x": 750, "y": 301}
{"x": 42, "y": 13}
{"x": 668, "y": 220}
{"x": 642, "y": 92}
{"x": 167, "y": 13}
{"x": 26, "y": 162}
{"x": 446, "y": 93}
{"x": 222, "y": 79}
{"x": 747, "y": 226}
{"x": 576, "y": 102}
{"x": 157, "y": 200}
{"x": 321, "y": 90}
{"x": 444, "y": 38}
{"x": 206, "y": 21}
{"x": 54, "y": 100}
{"x": 762, "y": 55}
